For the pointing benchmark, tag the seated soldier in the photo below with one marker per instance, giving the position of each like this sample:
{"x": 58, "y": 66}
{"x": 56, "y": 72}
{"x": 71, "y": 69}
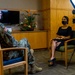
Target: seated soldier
{"x": 7, "y": 40}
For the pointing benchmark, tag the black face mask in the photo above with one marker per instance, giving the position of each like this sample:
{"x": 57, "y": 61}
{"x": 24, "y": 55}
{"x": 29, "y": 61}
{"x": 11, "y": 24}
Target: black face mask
{"x": 64, "y": 22}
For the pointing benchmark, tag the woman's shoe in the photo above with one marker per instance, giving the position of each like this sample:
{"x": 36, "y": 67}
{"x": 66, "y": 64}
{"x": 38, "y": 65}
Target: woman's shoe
{"x": 52, "y": 62}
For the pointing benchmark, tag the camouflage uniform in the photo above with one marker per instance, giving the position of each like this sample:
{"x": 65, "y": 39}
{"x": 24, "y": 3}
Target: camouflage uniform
{"x": 7, "y": 40}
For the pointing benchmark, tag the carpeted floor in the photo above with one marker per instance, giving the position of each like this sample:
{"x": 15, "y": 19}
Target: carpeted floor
{"x": 42, "y": 57}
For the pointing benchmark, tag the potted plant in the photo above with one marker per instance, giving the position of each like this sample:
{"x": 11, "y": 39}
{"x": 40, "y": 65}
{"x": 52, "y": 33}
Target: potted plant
{"x": 29, "y": 23}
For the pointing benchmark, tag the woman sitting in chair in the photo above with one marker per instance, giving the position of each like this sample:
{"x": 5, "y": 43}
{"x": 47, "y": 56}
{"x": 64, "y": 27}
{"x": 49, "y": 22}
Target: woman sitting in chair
{"x": 63, "y": 34}
{"x": 7, "y": 40}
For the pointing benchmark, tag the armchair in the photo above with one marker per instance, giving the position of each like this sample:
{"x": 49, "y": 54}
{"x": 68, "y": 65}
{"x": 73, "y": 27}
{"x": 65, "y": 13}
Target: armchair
{"x": 14, "y": 62}
{"x": 69, "y": 46}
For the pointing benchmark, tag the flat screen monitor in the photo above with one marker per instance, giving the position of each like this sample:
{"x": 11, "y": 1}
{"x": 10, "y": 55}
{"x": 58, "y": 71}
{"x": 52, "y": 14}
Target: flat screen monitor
{"x": 9, "y": 17}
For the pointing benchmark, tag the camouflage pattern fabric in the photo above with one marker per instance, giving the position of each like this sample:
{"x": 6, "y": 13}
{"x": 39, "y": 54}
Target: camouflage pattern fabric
{"x": 7, "y": 40}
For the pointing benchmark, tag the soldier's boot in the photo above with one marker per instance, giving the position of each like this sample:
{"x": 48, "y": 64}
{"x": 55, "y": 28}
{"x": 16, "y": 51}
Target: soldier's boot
{"x": 35, "y": 69}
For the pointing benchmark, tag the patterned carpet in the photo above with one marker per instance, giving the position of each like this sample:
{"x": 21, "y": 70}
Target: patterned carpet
{"x": 42, "y": 57}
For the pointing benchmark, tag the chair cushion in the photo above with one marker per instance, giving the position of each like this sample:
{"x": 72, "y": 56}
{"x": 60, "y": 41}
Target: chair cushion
{"x": 62, "y": 49}
{"x": 11, "y": 61}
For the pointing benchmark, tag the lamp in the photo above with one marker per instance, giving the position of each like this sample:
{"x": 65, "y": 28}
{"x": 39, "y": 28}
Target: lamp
{"x": 73, "y": 3}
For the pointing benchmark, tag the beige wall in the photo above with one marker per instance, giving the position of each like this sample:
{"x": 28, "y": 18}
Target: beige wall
{"x": 20, "y": 4}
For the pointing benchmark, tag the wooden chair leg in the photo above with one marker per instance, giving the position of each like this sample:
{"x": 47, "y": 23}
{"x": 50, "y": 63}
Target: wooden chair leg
{"x": 1, "y": 63}
{"x": 26, "y": 69}
{"x": 1, "y": 72}
{"x": 26, "y": 65}
{"x": 66, "y": 59}
{"x": 71, "y": 57}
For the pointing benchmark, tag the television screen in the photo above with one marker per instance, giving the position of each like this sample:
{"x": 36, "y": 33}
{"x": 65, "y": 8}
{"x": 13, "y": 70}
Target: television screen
{"x": 9, "y": 17}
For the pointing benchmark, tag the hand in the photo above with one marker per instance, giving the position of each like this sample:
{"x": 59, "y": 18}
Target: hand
{"x": 62, "y": 37}
{"x": 5, "y": 29}
{"x": 57, "y": 38}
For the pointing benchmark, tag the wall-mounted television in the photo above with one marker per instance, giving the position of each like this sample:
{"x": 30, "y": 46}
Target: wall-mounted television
{"x": 9, "y": 17}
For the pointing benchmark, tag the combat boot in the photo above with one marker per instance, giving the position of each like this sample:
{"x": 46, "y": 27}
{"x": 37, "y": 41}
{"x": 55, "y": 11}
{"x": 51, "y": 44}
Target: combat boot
{"x": 35, "y": 69}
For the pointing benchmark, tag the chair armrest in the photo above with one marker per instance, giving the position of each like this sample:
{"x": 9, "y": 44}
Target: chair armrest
{"x": 16, "y": 64}
{"x": 69, "y": 40}
{"x": 13, "y": 48}
{"x": 66, "y": 43}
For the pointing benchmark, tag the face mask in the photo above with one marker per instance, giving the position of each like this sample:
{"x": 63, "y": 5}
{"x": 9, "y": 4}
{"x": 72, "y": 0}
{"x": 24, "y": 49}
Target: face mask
{"x": 64, "y": 22}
